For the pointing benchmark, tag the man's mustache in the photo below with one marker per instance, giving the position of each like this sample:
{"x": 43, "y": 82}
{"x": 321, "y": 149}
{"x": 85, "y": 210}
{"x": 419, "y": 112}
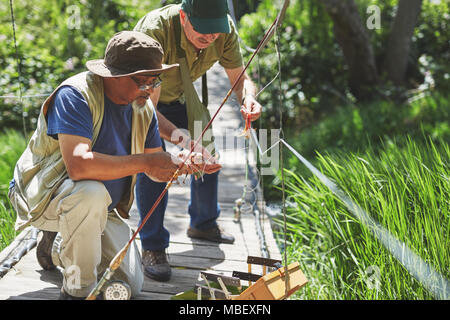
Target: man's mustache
{"x": 141, "y": 100}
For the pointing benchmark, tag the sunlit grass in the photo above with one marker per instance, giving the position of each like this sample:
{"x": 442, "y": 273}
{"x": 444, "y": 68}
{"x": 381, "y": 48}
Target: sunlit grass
{"x": 405, "y": 187}
{"x": 12, "y": 145}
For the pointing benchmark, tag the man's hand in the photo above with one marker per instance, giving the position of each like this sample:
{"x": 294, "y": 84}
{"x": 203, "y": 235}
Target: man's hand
{"x": 162, "y": 165}
{"x": 189, "y": 144}
{"x": 245, "y": 89}
{"x": 250, "y": 108}
{"x": 181, "y": 138}
{"x": 199, "y": 163}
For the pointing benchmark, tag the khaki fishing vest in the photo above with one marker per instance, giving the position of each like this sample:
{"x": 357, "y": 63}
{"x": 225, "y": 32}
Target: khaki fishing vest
{"x": 41, "y": 170}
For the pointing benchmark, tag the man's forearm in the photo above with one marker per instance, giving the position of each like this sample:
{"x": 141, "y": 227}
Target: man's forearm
{"x": 245, "y": 87}
{"x": 99, "y": 166}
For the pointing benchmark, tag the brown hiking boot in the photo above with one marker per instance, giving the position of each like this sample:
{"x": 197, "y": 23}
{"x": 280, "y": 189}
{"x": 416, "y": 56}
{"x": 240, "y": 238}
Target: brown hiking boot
{"x": 156, "y": 265}
{"x": 44, "y": 250}
{"x": 215, "y": 234}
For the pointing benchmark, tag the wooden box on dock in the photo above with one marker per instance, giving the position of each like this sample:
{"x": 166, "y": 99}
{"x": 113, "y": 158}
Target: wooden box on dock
{"x": 272, "y": 286}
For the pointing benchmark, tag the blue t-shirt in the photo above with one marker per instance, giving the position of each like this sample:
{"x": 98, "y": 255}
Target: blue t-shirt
{"x": 70, "y": 114}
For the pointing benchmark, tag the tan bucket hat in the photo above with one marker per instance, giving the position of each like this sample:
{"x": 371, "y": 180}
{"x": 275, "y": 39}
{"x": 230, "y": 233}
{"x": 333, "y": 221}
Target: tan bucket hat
{"x": 130, "y": 53}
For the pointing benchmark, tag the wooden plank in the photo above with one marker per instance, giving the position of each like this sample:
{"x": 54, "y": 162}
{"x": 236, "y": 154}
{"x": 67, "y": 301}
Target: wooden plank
{"x": 8, "y": 251}
{"x": 227, "y": 280}
{"x": 153, "y": 296}
{"x": 263, "y": 261}
{"x": 26, "y": 240}
{"x": 220, "y": 252}
{"x": 28, "y": 288}
{"x": 182, "y": 280}
{"x": 246, "y": 276}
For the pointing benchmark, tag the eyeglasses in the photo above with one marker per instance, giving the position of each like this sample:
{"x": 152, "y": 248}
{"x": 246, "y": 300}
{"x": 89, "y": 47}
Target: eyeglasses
{"x": 145, "y": 86}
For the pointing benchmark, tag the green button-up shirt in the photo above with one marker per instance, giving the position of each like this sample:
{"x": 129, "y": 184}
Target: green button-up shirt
{"x": 159, "y": 25}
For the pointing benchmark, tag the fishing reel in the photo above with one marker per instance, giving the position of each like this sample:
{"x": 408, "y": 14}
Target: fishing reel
{"x": 117, "y": 290}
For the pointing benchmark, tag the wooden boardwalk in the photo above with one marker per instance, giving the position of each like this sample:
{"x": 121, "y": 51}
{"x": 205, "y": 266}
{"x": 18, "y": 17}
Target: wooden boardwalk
{"x": 26, "y": 280}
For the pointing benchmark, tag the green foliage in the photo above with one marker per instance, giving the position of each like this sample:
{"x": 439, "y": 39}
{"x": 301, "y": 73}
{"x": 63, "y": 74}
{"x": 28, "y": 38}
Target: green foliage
{"x": 7, "y": 232}
{"x": 310, "y": 60}
{"x": 313, "y": 69}
{"x": 55, "y": 39}
{"x": 404, "y": 187}
{"x": 432, "y": 44}
{"x": 350, "y": 128}
{"x": 13, "y": 145}
{"x": 242, "y": 7}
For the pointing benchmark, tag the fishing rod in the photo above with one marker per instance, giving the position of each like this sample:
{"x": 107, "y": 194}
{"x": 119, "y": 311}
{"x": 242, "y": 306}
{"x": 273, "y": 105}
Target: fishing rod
{"x": 117, "y": 260}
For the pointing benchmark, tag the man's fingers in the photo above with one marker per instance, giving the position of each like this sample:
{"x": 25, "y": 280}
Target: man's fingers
{"x": 197, "y": 162}
{"x": 212, "y": 168}
{"x": 253, "y": 114}
{"x": 192, "y": 169}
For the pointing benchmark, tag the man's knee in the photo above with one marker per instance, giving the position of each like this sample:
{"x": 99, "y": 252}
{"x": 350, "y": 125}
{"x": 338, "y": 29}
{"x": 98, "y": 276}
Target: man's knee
{"x": 87, "y": 198}
{"x": 92, "y": 191}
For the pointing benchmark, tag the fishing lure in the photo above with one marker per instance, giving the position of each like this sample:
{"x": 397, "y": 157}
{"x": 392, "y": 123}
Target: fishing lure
{"x": 248, "y": 126}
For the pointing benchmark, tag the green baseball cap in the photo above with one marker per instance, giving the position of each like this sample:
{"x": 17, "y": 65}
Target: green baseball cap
{"x": 207, "y": 16}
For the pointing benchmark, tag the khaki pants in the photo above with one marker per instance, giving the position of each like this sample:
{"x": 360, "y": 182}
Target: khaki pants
{"x": 89, "y": 237}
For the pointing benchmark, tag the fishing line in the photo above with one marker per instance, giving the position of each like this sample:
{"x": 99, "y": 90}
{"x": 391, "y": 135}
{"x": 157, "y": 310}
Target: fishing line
{"x": 18, "y": 67}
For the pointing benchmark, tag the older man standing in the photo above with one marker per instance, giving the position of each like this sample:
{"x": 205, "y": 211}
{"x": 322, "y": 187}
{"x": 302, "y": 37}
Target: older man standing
{"x": 95, "y": 132}
{"x": 196, "y": 34}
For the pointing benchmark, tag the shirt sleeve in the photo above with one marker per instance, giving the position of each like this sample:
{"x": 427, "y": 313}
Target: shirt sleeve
{"x": 153, "y": 25}
{"x": 69, "y": 114}
{"x": 153, "y": 139}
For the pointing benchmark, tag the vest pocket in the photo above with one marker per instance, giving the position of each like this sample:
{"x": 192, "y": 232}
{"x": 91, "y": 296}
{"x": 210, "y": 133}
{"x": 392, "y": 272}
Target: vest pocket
{"x": 55, "y": 171}
{"x": 55, "y": 178}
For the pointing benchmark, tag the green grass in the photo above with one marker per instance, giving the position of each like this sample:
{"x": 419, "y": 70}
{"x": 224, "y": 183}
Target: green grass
{"x": 12, "y": 145}
{"x": 354, "y": 129}
{"x": 405, "y": 187}
{"x": 7, "y": 232}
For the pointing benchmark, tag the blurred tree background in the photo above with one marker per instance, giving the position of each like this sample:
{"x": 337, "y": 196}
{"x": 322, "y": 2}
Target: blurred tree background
{"x": 55, "y": 38}
{"x": 334, "y": 53}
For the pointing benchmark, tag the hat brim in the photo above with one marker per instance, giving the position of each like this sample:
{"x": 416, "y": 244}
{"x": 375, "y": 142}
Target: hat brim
{"x": 210, "y": 25}
{"x": 98, "y": 67}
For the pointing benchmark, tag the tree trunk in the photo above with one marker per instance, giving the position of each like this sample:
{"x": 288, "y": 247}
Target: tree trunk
{"x": 351, "y": 35}
{"x": 399, "y": 43}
